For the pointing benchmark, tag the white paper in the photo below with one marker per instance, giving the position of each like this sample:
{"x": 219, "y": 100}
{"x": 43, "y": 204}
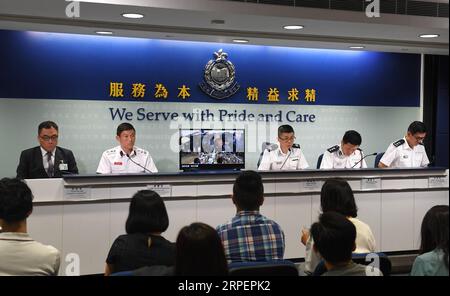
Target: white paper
{"x": 371, "y": 184}
{"x": 311, "y": 185}
{"x": 77, "y": 193}
{"x": 436, "y": 182}
{"x": 164, "y": 190}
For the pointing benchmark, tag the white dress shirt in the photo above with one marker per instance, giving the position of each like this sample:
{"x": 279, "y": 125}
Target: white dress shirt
{"x": 275, "y": 159}
{"x": 116, "y": 161}
{"x": 400, "y": 155}
{"x": 45, "y": 158}
{"x": 334, "y": 158}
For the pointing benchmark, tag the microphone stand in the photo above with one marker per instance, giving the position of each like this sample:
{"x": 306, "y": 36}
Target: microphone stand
{"x": 287, "y": 157}
{"x": 362, "y": 158}
{"x": 129, "y": 157}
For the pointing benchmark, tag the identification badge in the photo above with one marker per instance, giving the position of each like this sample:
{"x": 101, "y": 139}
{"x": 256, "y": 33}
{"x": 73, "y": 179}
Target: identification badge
{"x": 63, "y": 167}
{"x": 118, "y": 163}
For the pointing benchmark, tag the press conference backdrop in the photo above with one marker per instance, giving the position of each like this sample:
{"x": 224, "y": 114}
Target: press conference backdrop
{"x": 69, "y": 79}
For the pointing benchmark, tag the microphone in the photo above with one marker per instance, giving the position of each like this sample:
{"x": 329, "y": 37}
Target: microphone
{"x": 287, "y": 157}
{"x": 290, "y": 151}
{"x": 362, "y": 158}
{"x": 129, "y": 157}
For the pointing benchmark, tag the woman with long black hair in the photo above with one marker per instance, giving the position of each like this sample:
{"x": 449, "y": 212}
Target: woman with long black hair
{"x": 433, "y": 259}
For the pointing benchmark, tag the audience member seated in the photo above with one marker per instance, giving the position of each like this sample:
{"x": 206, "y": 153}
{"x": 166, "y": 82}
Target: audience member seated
{"x": 334, "y": 238}
{"x": 251, "y": 236}
{"x": 143, "y": 244}
{"x": 199, "y": 253}
{"x": 337, "y": 196}
{"x": 433, "y": 260}
{"x": 20, "y": 255}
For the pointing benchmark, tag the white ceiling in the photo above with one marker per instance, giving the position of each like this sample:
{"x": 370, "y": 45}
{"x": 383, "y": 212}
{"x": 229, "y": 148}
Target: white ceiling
{"x": 260, "y": 23}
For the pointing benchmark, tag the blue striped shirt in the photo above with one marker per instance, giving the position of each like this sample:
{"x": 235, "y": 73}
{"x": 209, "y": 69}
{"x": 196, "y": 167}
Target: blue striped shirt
{"x": 252, "y": 237}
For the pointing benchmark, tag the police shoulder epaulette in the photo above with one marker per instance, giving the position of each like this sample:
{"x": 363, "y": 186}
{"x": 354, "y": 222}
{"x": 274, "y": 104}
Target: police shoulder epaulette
{"x": 333, "y": 149}
{"x": 398, "y": 143}
{"x": 272, "y": 147}
{"x": 296, "y": 146}
{"x": 111, "y": 151}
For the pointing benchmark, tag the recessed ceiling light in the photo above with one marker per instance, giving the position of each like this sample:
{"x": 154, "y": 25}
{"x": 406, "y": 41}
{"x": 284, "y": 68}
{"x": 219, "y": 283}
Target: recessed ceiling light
{"x": 429, "y": 35}
{"x": 293, "y": 27}
{"x": 356, "y": 47}
{"x": 104, "y": 32}
{"x": 240, "y": 40}
{"x": 133, "y": 15}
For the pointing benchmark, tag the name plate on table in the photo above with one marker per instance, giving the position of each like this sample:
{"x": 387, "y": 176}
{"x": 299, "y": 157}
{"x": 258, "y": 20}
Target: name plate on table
{"x": 436, "y": 182}
{"x": 77, "y": 193}
{"x": 164, "y": 190}
{"x": 371, "y": 184}
{"x": 311, "y": 185}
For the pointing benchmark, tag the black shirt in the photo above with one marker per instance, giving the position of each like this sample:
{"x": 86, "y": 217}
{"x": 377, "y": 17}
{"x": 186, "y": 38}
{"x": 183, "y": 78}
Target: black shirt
{"x": 132, "y": 251}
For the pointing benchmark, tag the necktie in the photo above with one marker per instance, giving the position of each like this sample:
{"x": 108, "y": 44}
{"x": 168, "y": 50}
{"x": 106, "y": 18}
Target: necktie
{"x": 50, "y": 169}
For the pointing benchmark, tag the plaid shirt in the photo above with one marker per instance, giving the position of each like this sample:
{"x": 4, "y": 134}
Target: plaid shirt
{"x": 252, "y": 237}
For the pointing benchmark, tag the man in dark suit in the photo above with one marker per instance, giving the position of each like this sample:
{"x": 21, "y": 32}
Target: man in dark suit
{"x": 47, "y": 160}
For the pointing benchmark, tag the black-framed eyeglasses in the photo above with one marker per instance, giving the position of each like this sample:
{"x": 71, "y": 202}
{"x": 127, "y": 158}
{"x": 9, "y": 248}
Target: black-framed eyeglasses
{"x": 292, "y": 139}
{"x": 47, "y": 138}
{"x": 419, "y": 138}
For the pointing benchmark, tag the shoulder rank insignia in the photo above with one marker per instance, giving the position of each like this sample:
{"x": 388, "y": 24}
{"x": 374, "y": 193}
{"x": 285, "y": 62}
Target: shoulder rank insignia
{"x": 398, "y": 143}
{"x": 272, "y": 147}
{"x": 333, "y": 149}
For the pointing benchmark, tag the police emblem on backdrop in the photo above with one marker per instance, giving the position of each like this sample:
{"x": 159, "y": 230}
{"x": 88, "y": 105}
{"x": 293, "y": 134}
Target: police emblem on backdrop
{"x": 220, "y": 77}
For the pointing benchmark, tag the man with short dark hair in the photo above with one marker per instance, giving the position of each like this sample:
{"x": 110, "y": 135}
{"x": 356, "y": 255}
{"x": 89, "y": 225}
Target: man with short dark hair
{"x": 19, "y": 253}
{"x": 284, "y": 156}
{"x": 346, "y": 155}
{"x": 250, "y": 236}
{"x": 408, "y": 152}
{"x": 334, "y": 238}
{"x": 46, "y": 160}
{"x": 126, "y": 158}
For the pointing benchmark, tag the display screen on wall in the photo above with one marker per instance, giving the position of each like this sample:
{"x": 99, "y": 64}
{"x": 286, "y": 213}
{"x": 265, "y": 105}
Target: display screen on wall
{"x": 209, "y": 149}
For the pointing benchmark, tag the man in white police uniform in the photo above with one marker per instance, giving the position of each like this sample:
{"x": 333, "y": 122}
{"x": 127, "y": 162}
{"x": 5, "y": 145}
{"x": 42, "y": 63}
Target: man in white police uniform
{"x": 347, "y": 155}
{"x": 286, "y": 155}
{"x": 126, "y": 158}
{"x": 408, "y": 152}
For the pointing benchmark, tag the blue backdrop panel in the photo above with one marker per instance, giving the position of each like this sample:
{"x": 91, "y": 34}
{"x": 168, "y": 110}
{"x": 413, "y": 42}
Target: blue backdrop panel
{"x": 68, "y": 66}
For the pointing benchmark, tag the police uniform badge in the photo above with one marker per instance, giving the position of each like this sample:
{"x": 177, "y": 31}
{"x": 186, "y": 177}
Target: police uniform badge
{"x": 399, "y": 142}
{"x": 219, "y": 77}
{"x": 333, "y": 149}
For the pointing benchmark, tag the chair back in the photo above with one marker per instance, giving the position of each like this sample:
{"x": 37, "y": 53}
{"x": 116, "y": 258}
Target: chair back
{"x": 264, "y": 146}
{"x": 123, "y": 273}
{"x": 378, "y": 158}
{"x": 385, "y": 265}
{"x": 263, "y": 268}
{"x": 319, "y": 161}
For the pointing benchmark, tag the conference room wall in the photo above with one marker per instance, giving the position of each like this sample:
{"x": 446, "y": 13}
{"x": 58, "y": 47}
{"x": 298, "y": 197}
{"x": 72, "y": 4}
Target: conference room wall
{"x": 86, "y": 127}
